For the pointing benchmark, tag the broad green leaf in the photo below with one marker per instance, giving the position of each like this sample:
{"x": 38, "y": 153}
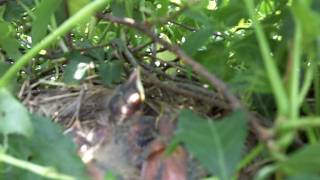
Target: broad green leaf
{"x": 198, "y": 16}
{"x": 8, "y": 41}
{"x": 14, "y": 117}
{"x": 48, "y": 147}
{"x": 110, "y": 72}
{"x": 3, "y": 67}
{"x": 42, "y": 17}
{"x": 305, "y": 160}
{"x": 305, "y": 15}
{"x": 196, "y": 40}
{"x": 162, "y": 8}
{"x": 166, "y": 56}
{"x": 253, "y": 79}
{"x": 304, "y": 177}
{"x": 77, "y": 68}
{"x": 217, "y": 144}
{"x": 229, "y": 15}
{"x": 215, "y": 59}
{"x": 110, "y": 176}
{"x": 118, "y": 8}
{"x": 129, "y": 6}
{"x": 82, "y": 27}
{"x": 12, "y": 86}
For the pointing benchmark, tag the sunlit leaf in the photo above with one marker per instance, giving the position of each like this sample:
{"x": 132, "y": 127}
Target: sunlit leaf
{"x": 166, "y": 56}
{"x": 77, "y": 68}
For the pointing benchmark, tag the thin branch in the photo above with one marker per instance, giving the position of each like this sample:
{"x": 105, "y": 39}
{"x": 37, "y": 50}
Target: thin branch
{"x": 138, "y": 48}
{"x": 215, "y": 81}
{"x": 262, "y": 133}
{"x": 185, "y": 89}
{"x": 212, "y": 100}
{"x": 92, "y": 47}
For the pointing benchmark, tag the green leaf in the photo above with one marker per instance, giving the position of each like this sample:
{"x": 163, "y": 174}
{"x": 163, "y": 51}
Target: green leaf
{"x": 8, "y": 42}
{"x": 14, "y": 9}
{"x": 196, "y": 40}
{"x": 75, "y": 5}
{"x": 13, "y": 85}
{"x": 166, "y": 56}
{"x": 215, "y": 59}
{"x": 82, "y": 28}
{"x": 42, "y": 16}
{"x": 305, "y": 160}
{"x": 3, "y": 67}
{"x": 162, "y": 9}
{"x": 48, "y": 147}
{"x": 110, "y": 176}
{"x": 217, "y": 144}
{"x": 304, "y": 176}
{"x": 118, "y": 8}
{"x": 229, "y": 15}
{"x": 14, "y": 117}
{"x": 76, "y": 69}
{"x": 110, "y": 72}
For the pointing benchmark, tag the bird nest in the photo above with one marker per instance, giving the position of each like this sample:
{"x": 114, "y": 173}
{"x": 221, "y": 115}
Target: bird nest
{"x": 80, "y": 109}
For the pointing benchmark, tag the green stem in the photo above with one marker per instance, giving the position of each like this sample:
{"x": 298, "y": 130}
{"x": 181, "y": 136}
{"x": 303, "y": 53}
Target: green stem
{"x": 303, "y": 123}
{"x": 317, "y": 81}
{"x": 294, "y": 88}
{"x": 85, "y": 12}
{"x": 43, "y": 171}
{"x": 266, "y": 172}
{"x": 307, "y": 83}
{"x": 271, "y": 68}
{"x": 252, "y": 155}
{"x": 287, "y": 138}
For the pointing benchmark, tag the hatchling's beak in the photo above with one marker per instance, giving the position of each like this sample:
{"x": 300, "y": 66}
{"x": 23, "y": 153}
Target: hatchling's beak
{"x": 135, "y": 83}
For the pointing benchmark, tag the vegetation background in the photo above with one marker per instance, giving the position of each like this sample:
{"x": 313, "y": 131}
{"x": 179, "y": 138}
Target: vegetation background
{"x": 261, "y": 56}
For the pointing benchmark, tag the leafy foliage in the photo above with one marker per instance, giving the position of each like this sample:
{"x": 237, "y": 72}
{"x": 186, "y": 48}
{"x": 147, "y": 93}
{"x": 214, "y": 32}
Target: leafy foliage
{"x": 14, "y": 116}
{"x": 223, "y": 139}
{"x": 304, "y": 160}
{"x": 48, "y": 147}
{"x": 262, "y": 53}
